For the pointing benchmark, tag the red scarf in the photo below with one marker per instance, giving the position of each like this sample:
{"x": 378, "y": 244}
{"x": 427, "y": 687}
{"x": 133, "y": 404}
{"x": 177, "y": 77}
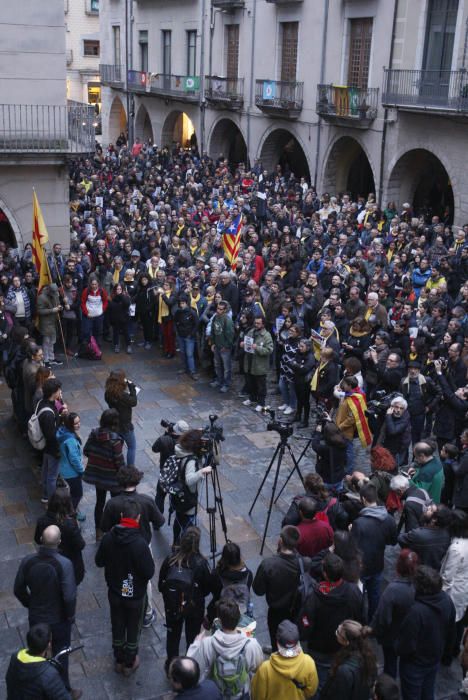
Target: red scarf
{"x": 130, "y": 523}
{"x": 327, "y": 586}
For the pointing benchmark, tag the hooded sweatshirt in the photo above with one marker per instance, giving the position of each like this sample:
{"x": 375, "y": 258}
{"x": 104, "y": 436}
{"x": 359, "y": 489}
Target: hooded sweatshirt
{"x": 71, "y": 453}
{"x": 228, "y": 645}
{"x": 32, "y": 677}
{"x": 192, "y": 475}
{"x": 275, "y": 678}
{"x": 373, "y": 530}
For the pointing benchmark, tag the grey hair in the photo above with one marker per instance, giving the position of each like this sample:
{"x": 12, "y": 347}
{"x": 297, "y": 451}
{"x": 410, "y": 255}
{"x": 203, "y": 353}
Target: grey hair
{"x": 399, "y": 483}
{"x": 400, "y": 401}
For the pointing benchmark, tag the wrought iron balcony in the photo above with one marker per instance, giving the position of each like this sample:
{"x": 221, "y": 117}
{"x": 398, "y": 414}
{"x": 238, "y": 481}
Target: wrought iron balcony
{"x": 347, "y": 106}
{"x": 426, "y": 90}
{"x": 224, "y": 93}
{"x": 112, "y": 75}
{"x": 279, "y": 98}
{"x": 138, "y": 81}
{"x": 229, "y": 4}
{"x": 284, "y": 2}
{"x": 180, "y": 87}
{"x": 47, "y": 128}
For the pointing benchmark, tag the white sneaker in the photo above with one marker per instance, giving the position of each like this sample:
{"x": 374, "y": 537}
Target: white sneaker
{"x": 288, "y": 410}
{"x": 259, "y": 408}
{"x": 247, "y": 402}
{"x": 282, "y": 407}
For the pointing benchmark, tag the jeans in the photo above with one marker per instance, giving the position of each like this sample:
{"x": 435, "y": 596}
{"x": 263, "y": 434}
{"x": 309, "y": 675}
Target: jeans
{"x": 92, "y": 326}
{"x": 174, "y": 627}
{"x": 288, "y": 392}
{"x": 256, "y": 387}
{"x": 372, "y": 585}
{"x": 417, "y": 427}
{"x": 390, "y": 661}
{"x": 76, "y": 490}
{"x": 274, "y": 618}
{"x": 223, "y": 365}
{"x": 417, "y": 682}
{"x": 126, "y": 620}
{"x": 117, "y": 331}
{"x": 181, "y": 522}
{"x": 187, "y": 348}
{"x": 50, "y": 471}
{"x": 349, "y": 456}
{"x": 323, "y": 664}
{"x": 48, "y": 343}
{"x": 130, "y": 441}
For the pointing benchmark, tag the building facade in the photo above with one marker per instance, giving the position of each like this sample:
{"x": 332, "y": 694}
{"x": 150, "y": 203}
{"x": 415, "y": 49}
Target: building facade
{"x": 357, "y": 95}
{"x": 39, "y": 130}
{"x": 82, "y": 51}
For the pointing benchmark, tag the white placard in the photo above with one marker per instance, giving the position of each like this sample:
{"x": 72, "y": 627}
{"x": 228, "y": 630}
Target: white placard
{"x": 248, "y": 344}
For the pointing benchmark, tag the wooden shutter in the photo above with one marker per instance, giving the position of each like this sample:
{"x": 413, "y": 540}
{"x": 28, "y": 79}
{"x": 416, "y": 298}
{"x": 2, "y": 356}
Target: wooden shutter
{"x": 289, "y": 51}
{"x": 232, "y": 50}
{"x": 359, "y": 52}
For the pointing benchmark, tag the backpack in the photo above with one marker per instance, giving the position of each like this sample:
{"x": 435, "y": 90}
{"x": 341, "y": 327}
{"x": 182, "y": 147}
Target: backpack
{"x": 425, "y": 502}
{"x": 231, "y": 675}
{"x": 35, "y": 434}
{"x": 10, "y": 374}
{"x": 304, "y": 587}
{"x": 178, "y": 591}
{"x": 239, "y": 592}
{"x": 172, "y": 481}
{"x": 90, "y": 350}
{"x": 322, "y": 515}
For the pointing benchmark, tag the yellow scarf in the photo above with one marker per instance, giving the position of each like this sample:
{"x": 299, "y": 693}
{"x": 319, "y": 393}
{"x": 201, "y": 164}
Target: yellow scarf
{"x": 163, "y": 309}
{"x": 314, "y": 382}
{"x": 116, "y": 276}
{"x": 193, "y": 302}
{"x": 179, "y": 230}
{"x": 368, "y": 313}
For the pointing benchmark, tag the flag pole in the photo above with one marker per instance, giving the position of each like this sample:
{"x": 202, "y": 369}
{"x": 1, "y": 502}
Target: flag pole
{"x": 58, "y": 316}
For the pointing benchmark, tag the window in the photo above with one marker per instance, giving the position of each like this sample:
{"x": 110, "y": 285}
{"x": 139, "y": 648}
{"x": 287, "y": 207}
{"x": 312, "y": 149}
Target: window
{"x": 232, "y": 41}
{"x": 359, "y": 52}
{"x": 440, "y": 34}
{"x": 191, "y": 52}
{"x": 90, "y": 47}
{"x": 92, "y": 7}
{"x": 143, "y": 44}
{"x": 166, "y": 48}
{"x": 290, "y": 31}
{"x": 116, "y": 45}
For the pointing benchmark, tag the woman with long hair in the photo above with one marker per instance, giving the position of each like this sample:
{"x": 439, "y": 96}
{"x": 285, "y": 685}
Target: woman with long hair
{"x": 184, "y": 581}
{"x": 354, "y": 669}
{"x": 71, "y": 458}
{"x": 230, "y": 578}
{"x": 145, "y": 308}
{"x": 120, "y": 393}
{"x": 119, "y": 318}
{"x": 60, "y": 512}
{"x": 43, "y": 373}
{"x": 345, "y": 547}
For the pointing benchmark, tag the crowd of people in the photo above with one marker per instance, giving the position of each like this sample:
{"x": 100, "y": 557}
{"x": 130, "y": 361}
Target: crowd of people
{"x": 355, "y": 309}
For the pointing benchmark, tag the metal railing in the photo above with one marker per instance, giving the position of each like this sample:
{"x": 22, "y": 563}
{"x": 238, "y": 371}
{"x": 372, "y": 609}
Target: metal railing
{"x": 185, "y": 87}
{"x": 227, "y": 91}
{"x": 138, "y": 81}
{"x": 111, "y": 74}
{"x": 340, "y": 101}
{"x": 279, "y": 95}
{"x": 228, "y": 4}
{"x": 426, "y": 89}
{"x": 47, "y": 128}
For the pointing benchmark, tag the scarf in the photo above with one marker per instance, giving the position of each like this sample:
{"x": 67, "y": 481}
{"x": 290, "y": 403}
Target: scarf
{"x": 357, "y": 405}
{"x": 116, "y": 276}
{"x": 194, "y": 302}
{"x": 163, "y": 309}
{"x": 327, "y": 586}
{"x": 315, "y": 377}
{"x": 180, "y": 229}
{"x": 130, "y": 523}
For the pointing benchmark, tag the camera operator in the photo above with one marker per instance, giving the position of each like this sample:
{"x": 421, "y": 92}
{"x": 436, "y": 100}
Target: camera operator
{"x": 329, "y": 444}
{"x": 449, "y": 418}
{"x": 395, "y": 434}
{"x": 422, "y": 395}
{"x": 165, "y": 445}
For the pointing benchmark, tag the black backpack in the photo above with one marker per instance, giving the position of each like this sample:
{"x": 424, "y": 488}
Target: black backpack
{"x": 172, "y": 481}
{"x": 178, "y": 591}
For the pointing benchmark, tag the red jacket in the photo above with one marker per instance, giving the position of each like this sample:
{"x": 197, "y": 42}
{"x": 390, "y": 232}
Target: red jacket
{"x": 315, "y": 536}
{"x": 99, "y": 292}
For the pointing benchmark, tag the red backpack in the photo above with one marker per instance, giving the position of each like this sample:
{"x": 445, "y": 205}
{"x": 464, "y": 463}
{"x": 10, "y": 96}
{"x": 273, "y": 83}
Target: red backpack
{"x": 322, "y": 514}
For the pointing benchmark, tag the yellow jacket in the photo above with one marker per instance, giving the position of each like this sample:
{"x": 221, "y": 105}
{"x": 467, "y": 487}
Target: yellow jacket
{"x": 274, "y": 680}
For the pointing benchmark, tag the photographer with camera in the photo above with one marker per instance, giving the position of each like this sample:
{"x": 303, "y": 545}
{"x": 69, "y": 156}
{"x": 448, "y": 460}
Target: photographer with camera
{"x": 165, "y": 445}
{"x": 395, "y": 434}
{"x": 422, "y": 395}
{"x": 449, "y": 419}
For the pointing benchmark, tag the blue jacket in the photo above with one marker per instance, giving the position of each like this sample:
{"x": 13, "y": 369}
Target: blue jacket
{"x": 71, "y": 454}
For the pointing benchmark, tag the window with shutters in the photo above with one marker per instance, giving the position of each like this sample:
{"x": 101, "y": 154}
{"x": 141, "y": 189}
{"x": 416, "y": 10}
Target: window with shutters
{"x": 143, "y": 44}
{"x": 192, "y": 52}
{"x": 232, "y": 40}
{"x": 166, "y": 49}
{"x": 440, "y": 34}
{"x": 290, "y": 32}
{"x": 359, "y": 52}
{"x": 116, "y": 44}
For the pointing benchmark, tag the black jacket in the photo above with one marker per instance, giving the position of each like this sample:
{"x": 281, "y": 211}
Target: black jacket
{"x": 202, "y": 581}
{"x": 72, "y": 543}
{"x": 428, "y": 630}
{"x": 347, "y": 683}
{"x": 230, "y": 293}
{"x": 337, "y": 516}
{"x": 277, "y": 578}
{"x": 186, "y": 322}
{"x": 394, "y": 604}
{"x": 449, "y": 418}
{"x": 128, "y": 562}
{"x": 117, "y": 310}
{"x": 460, "y": 481}
{"x": 372, "y": 530}
{"x": 412, "y": 511}
{"x": 49, "y": 422}
{"x": 323, "y": 612}
{"x": 149, "y": 513}
{"x": 33, "y": 680}
{"x": 45, "y": 584}
{"x": 429, "y": 543}
{"x": 124, "y": 405}
{"x": 165, "y": 445}
{"x": 389, "y": 379}
{"x": 331, "y": 460}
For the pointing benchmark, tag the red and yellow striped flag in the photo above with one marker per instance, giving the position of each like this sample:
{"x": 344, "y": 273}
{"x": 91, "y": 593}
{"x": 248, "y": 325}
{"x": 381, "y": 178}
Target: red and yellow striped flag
{"x": 39, "y": 239}
{"x": 231, "y": 241}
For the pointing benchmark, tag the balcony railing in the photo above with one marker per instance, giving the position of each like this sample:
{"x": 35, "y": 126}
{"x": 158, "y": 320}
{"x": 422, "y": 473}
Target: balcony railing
{"x": 284, "y": 2}
{"x": 347, "y": 106}
{"x": 47, "y": 128}
{"x": 426, "y": 90}
{"x": 229, "y": 4}
{"x": 182, "y": 87}
{"x": 224, "y": 93}
{"x": 112, "y": 75}
{"x": 279, "y": 97}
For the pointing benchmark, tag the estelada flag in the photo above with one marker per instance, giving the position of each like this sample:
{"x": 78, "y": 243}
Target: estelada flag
{"x": 39, "y": 239}
{"x": 357, "y": 405}
{"x": 231, "y": 240}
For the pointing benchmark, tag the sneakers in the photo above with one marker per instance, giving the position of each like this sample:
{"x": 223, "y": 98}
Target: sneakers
{"x": 214, "y": 384}
{"x": 56, "y": 363}
{"x": 128, "y": 670}
{"x": 149, "y": 619}
{"x": 194, "y": 376}
{"x": 247, "y": 402}
{"x": 141, "y": 344}
{"x": 288, "y": 410}
{"x": 116, "y": 349}
{"x": 181, "y": 371}
{"x": 147, "y": 346}
{"x": 224, "y": 389}
{"x": 44, "y": 500}
{"x": 129, "y": 350}
{"x": 259, "y": 408}
{"x": 283, "y": 407}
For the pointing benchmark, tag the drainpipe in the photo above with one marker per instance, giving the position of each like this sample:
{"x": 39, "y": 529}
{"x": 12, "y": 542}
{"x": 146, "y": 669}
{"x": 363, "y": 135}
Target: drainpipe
{"x": 202, "y": 81}
{"x": 384, "y": 132}
{"x": 252, "y": 74}
{"x": 130, "y": 103}
{"x": 326, "y": 7}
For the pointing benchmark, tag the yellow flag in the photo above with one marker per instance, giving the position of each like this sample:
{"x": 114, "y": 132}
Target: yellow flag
{"x": 39, "y": 239}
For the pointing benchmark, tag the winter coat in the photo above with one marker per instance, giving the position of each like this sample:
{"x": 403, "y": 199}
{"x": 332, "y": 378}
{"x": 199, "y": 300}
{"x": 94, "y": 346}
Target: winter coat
{"x": 258, "y": 363}
{"x": 453, "y": 572}
{"x": 280, "y": 677}
{"x": 33, "y": 678}
{"x": 429, "y": 543}
{"x": 412, "y": 510}
{"x": 336, "y": 515}
{"x": 49, "y": 420}
{"x": 145, "y": 301}
{"x": 222, "y": 331}
{"x": 327, "y": 379}
{"x": 230, "y": 577}
{"x": 71, "y": 453}
{"x": 347, "y": 683}
{"x": 395, "y": 435}
{"x": 192, "y": 474}
{"x": 127, "y": 560}
{"x": 430, "y": 477}
{"x": 315, "y": 536}
{"x": 72, "y": 542}
{"x": 449, "y": 417}
{"x": 47, "y": 301}
{"x": 103, "y": 449}
{"x": 288, "y": 358}
{"x": 94, "y": 304}
{"x": 30, "y": 368}
{"x": 277, "y": 578}
{"x": 395, "y": 601}
{"x": 303, "y": 367}
{"x": 123, "y": 405}
{"x": 460, "y": 485}
{"x": 118, "y": 310}
{"x": 186, "y": 322}
{"x": 372, "y": 530}
{"x": 149, "y": 512}
{"x": 206, "y": 650}
{"x": 201, "y": 581}
{"x": 331, "y": 460}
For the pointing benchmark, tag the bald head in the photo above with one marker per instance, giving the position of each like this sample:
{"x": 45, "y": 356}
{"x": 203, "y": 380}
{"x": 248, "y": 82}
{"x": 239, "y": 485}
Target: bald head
{"x": 51, "y": 537}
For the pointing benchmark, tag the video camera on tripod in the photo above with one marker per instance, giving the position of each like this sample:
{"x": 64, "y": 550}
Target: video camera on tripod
{"x": 212, "y": 435}
{"x": 285, "y": 430}
{"x": 168, "y": 425}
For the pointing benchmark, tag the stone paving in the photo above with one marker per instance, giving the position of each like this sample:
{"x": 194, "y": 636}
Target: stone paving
{"x": 247, "y": 450}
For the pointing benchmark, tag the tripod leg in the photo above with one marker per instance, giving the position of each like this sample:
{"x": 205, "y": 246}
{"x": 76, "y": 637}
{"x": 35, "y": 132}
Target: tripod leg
{"x": 295, "y": 468}
{"x": 265, "y": 477}
{"x": 280, "y": 451}
{"x": 219, "y": 502}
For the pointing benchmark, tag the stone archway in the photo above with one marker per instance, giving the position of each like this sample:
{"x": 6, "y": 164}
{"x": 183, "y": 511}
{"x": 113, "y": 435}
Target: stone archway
{"x": 9, "y": 230}
{"x": 282, "y": 148}
{"x": 228, "y": 141}
{"x": 420, "y": 178}
{"x": 143, "y": 127}
{"x": 117, "y": 120}
{"x": 347, "y": 169}
{"x": 178, "y": 128}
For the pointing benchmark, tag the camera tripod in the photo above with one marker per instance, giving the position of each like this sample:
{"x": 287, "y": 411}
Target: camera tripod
{"x": 278, "y": 455}
{"x": 214, "y": 503}
{"x": 298, "y": 460}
